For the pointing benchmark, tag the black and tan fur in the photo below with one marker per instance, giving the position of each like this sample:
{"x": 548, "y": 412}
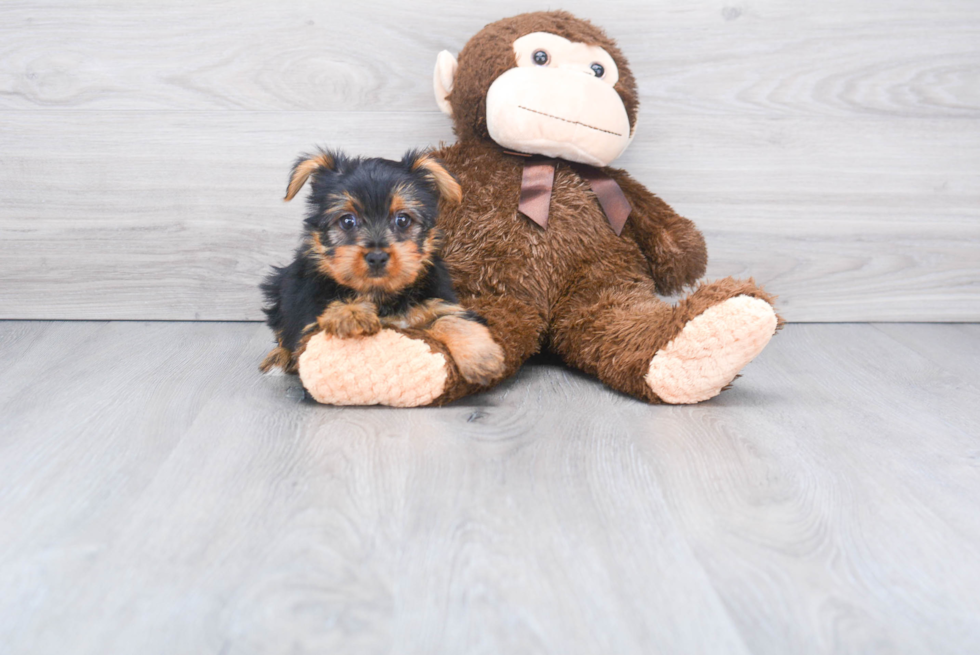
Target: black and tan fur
{"x": 369, "y": 259}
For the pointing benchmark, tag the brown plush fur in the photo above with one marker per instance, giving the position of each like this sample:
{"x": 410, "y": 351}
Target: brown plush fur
{"x": 490, "y": 54}
{"x": 577, "y": 287}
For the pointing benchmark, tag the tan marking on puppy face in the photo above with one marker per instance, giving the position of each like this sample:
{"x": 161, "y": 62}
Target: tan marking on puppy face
{"x": 346, "y": 266}
{"x": 478, "y": 357}
{"x": 303, "y": 170}
{"x": 406, "y": 261}
{"x": 343, "y": 203}
{"x": 315, "y": 245}
{"x": 449, "y": 189}
{"x": 431, "y": 245}
{"x": 402, "y": 201}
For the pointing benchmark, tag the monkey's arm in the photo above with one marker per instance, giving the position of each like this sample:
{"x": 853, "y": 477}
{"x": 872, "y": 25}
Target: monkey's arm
{"x": 673, "y": 246}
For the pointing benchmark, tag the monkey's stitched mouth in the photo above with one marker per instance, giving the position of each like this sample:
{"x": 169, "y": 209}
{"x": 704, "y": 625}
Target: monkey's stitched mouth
{"x": 591, "y": 127}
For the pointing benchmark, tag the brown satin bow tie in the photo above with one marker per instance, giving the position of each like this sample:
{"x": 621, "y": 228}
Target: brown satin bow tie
{"x": 539, "y": 178}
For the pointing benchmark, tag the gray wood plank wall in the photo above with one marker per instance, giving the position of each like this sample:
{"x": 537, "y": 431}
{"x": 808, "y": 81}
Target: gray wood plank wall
{"x": 830, "y": 150}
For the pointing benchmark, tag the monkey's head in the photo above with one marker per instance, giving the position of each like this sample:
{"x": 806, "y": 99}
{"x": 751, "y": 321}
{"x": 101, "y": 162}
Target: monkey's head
{"x": 544, "y": 83}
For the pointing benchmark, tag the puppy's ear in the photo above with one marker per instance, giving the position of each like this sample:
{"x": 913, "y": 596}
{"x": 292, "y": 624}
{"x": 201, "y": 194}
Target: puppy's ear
{"x": 308, "y": 165}
{"x": 449, "y": 189}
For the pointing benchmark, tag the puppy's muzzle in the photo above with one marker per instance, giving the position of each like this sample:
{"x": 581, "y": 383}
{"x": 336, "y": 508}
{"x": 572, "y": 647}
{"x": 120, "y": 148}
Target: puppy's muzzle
{"x": 376, "y": 261}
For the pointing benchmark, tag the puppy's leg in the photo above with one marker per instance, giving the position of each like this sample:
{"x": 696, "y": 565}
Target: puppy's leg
{"x": 422, "y": 315}
{"x": 280, "y": 358}
{"x": 478, "y": 357}
{"x": 352, "y": 319}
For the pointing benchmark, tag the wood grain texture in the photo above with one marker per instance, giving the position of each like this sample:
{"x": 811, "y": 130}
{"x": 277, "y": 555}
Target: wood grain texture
{"x": 872, "y": 58}
{"x": 160, "y": 215}
{"x": 958, "y": 350}
{"x": 830, "y": 152}
{"x": 158, "y": 495}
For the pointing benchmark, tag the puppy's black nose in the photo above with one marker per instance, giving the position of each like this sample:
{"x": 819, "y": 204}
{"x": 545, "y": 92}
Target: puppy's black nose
{"x": 376, "y": 258}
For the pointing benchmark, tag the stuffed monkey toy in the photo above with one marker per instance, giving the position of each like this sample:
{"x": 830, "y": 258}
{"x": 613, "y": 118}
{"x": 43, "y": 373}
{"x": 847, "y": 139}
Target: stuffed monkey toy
{"x": 550, "y": 246}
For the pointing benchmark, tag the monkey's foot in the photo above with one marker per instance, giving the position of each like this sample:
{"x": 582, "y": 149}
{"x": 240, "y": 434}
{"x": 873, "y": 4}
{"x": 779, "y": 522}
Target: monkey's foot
{"x": 387, "y": 368}
{"x": 711, "y": 349}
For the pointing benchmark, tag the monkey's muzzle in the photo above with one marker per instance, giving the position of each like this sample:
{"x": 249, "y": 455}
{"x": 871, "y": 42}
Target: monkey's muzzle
{"x": 558, "y": 113}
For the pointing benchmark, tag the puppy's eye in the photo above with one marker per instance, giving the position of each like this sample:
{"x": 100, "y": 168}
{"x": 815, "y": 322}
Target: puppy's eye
{"x": 347, "y": 222}
{"x": 402, "y": 220}
{"x": 598, "y": 70}
{"x": 540, "y": 57}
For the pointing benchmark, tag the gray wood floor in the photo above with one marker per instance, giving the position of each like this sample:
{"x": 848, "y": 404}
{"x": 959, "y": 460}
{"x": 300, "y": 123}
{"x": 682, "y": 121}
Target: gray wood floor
{"x": 157, "y": 495}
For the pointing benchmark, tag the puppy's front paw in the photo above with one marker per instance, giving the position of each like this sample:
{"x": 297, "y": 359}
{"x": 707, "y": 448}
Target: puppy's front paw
{"x": 350, "y": 320}
{"x": 478, "y": 357}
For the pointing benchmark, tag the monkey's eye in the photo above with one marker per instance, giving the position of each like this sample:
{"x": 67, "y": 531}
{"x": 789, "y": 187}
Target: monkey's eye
{"x": 598, "y": 70}
{"x": 347, "y": 222}
{"x": 541, "y": 57}
{"x": 402, "y": 220}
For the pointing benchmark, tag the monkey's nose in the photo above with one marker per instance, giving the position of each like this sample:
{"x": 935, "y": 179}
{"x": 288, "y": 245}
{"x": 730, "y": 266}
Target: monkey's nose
{"x": 578, "y": 68}
{"x": 376, "y": 258}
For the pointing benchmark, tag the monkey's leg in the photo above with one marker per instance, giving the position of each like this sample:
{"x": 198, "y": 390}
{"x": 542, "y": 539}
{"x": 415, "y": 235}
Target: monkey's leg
{"x": 410, "y": 368}
{"x": 638, "y": 344}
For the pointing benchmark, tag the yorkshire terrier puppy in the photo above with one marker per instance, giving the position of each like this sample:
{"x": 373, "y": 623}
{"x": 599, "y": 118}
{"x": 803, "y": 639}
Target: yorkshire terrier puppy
{"x": 369, "y": 259}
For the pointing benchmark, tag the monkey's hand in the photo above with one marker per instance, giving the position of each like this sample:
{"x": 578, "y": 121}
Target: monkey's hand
{"x": 672, "y": 245}
{"x": 350, "y": 320}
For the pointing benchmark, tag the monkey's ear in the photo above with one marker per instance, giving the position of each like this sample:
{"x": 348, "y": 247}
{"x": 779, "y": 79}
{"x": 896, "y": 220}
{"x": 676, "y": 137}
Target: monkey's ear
{"x": 305, "y": 166}
{"x": 442, "y": 80}
{"x": 449, "y": 189}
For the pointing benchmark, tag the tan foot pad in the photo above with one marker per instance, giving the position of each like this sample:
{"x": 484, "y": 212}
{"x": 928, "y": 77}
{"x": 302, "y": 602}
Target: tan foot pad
{"x": 387, "y": 368}
{"x": 711, "y": 350}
